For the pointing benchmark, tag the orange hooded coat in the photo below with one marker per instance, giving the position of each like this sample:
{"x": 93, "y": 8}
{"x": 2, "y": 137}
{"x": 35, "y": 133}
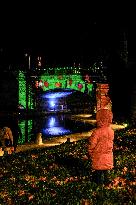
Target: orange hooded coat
{"x": 100, "y": 146}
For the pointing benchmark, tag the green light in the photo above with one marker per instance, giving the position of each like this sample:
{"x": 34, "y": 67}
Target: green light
{"x": 30, "y": 101}
{"x": 76, "y": 79}
{"x": 23, "y": 128}
{"x": 67, "y": 76}
{"x": 22, "y": 89}
{"x": 30, "y": 123}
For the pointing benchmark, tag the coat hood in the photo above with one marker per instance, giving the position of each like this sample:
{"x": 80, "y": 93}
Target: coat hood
{"x": 104, "y": 117}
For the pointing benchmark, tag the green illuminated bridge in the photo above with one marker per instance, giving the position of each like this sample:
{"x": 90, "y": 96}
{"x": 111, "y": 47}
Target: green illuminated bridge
{"x": 51, "y": 78}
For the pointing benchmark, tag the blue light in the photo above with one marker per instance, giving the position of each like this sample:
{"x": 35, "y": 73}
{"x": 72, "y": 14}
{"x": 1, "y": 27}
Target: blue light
{"x": 57, "y": 94}
{"x": 55, "y": 127}
{"x": 52, "y": 103}
{"x": 54, "y": 131}
{"x": 51, "y": 122}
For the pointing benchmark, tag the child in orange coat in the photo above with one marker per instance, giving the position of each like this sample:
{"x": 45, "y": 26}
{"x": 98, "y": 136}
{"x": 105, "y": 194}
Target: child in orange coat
{"x": 100, "y": 148}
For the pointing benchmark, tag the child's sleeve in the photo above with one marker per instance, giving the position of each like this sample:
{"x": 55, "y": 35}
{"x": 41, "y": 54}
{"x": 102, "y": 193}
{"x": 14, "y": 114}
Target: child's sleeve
{"x": 93, "y": 139}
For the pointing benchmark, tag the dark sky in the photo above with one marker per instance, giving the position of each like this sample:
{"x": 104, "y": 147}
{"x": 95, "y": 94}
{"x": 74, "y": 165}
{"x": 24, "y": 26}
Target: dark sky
{"x": 67, "y": 32}
{"x": 63, "y": 33}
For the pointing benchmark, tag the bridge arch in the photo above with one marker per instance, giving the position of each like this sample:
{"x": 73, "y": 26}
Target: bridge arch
{"x": 49, "y": 81}
{"x": 65, "y": 100}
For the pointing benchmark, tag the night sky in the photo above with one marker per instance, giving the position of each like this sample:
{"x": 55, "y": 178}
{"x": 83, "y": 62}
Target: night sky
{"x": 63, "y": 33}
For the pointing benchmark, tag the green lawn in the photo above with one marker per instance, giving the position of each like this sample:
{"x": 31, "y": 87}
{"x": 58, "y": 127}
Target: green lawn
{"x": 61, "y": 175}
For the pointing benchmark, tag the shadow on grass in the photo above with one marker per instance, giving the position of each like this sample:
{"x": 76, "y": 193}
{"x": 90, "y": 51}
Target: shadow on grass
{"x": 75, "y": 166}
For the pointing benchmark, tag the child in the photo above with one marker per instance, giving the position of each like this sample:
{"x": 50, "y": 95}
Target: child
{"x": 100, "y": 148}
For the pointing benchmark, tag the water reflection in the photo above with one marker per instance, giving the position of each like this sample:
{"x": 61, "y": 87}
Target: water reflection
{"x": 54, "y": 126}
{"x": 50, "y": 126}
{"x": 26, "y": 127}
{"x": 54, "y": 131}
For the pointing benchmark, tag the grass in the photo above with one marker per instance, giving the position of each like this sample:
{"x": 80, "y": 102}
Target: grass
{"x": 61, "y": 175}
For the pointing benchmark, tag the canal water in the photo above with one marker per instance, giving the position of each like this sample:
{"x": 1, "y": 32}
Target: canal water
{"x": 50, "y": 126}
